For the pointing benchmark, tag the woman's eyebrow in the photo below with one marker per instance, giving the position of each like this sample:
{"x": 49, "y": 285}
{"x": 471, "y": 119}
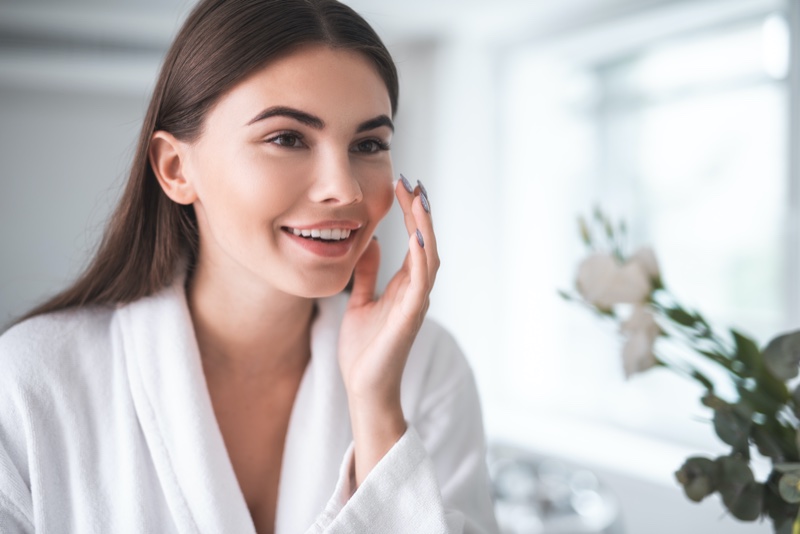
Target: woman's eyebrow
{"x": 296, "y": 114}
{"x": 316, "y": 122}
{"x": 381, "y": 120}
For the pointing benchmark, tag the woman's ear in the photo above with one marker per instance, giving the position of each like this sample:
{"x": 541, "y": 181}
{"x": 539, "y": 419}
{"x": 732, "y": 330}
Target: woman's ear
{"x": 168, "y": 160}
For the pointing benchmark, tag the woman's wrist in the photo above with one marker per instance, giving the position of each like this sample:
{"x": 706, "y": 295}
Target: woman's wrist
{"x": 376, "y": 428}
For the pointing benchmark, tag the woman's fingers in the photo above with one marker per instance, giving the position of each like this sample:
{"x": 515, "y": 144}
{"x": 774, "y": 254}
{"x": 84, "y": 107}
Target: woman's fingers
{"x": 418, "y": 288}
{"x": 420, "y": 209}
{"x": 422, "y": 260}
{"x": 404, "y": 192}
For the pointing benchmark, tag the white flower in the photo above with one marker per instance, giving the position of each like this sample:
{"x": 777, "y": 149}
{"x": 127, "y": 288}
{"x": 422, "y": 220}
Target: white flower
{"x": 646, "y": 258}
{"x": 641, "y": 332}
{"x": 603, "y": 282}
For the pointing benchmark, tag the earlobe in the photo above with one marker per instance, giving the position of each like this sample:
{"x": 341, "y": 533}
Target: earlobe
{"x": 167, "y": 158}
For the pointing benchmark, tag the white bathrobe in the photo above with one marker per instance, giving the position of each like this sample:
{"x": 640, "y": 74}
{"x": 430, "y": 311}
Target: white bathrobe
{"x": 106, "y": 426}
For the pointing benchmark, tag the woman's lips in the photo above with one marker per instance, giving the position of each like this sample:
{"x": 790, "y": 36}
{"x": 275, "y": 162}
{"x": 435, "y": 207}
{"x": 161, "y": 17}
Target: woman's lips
{"x": 325, "y": 242}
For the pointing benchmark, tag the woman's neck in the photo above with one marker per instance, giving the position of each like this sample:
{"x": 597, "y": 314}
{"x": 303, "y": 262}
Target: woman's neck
{"x": 245, "y": 331}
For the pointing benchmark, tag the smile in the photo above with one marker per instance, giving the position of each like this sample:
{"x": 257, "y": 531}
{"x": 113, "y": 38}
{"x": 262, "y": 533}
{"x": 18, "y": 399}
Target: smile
{"x": 322, "y": 234}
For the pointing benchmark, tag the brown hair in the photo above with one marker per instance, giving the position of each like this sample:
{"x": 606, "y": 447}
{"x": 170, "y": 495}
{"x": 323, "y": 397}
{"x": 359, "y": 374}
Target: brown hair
{"x": 221, "y": 42}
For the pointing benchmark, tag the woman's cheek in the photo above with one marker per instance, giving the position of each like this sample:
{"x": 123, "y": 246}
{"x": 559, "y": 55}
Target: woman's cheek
{"x": 384, "y": 194}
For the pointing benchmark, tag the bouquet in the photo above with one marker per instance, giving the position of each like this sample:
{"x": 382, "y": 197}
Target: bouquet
{"x": 756, "y": 410}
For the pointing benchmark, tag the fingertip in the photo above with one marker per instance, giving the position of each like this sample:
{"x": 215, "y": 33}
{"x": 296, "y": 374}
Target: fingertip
{"x": 406, "y": 184}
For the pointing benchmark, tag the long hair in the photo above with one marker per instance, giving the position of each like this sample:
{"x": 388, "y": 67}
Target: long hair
{"x": 221, "y": 43}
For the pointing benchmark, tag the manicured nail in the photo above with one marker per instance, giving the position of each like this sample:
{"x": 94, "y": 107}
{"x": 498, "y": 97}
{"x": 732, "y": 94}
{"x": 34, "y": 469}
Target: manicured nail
{"x": 406, "y": 184}
{"x": 422, "y": 188}
{"x": 419, "y": 239}
{"x": 425, "y": 204}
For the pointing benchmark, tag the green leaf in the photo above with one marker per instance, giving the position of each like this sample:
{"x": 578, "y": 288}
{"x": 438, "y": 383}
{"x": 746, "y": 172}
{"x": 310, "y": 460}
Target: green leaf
{"x": 747, "y": 352}
{"x": 781, "y": 512}
{"x": 681, "y": 316}
{"x": 609, "y": 229}
{"x": 734, "y": 470}
{"x": 782, "y": 356}
{"x": 767, "y": 444}
{"x": 796, "y": 401}
{"x": 789, "y": 487}
{"x": 759, "y": 400}
{"x": 698, "y": 476}
{"x": 732, "y": 426}
{"x": 598, "y": 214}
{"x": 748, "y": 503}
{"x": 797, "y": 441}
{"x": 786, "y": 467}
{"x": 704, "y": 380}
{"x": 768, "y": 386}
{"x": 741, "y": 494}
{"x": 586, "y": 234}
{"x": 712, "y": 401}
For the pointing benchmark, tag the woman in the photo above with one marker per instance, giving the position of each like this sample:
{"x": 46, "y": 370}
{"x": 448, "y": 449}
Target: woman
{"x": 206, "y": 373}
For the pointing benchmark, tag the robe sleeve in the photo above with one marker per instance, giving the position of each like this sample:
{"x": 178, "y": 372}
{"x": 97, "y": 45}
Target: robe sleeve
{"x": 434, "y": 479}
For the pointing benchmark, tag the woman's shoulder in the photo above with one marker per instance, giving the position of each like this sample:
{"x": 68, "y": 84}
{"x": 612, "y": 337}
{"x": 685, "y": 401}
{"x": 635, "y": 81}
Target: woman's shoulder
{"x": 49, "y": 342}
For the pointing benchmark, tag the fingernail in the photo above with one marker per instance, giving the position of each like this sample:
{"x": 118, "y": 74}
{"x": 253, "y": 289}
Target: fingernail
{"x": 421, "y": 188}
{"x": 406, "y": 184}
{"x": 425, "y": 204}
{"x": 419, "y": 239}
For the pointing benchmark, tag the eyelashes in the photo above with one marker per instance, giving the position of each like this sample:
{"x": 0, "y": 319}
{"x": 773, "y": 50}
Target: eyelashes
{"x": 294, "y": 140}
{"x": 371, "y": 146}
{"x": 286, "y": 139}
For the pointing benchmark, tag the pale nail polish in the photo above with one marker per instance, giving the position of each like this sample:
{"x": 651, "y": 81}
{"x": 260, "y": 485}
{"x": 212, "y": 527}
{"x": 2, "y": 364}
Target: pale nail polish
{"x": 419, "y": 239}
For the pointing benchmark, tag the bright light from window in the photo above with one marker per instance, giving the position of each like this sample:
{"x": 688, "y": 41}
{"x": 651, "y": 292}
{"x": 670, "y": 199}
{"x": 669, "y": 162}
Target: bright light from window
{"x": 686, "y": 139}
{"x": 775, "y": 46}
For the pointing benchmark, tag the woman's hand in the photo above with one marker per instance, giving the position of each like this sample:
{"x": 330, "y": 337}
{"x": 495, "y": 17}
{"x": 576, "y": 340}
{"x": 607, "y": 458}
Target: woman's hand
{"x": 377, "y": 333}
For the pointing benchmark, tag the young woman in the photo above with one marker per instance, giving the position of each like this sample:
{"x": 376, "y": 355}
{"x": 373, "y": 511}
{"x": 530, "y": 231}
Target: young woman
{"x": 207, "y": 373}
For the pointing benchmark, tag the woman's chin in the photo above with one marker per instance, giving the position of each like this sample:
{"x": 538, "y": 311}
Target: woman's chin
{"x": 323, "y": 288}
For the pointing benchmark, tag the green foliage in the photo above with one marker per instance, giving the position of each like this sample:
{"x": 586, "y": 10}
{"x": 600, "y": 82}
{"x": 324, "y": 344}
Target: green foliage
{"x": 699, "y": 477}
{"x": 733, "y": 423}
{"x": 764, "y": 416}
{"x": 782, "y": 356}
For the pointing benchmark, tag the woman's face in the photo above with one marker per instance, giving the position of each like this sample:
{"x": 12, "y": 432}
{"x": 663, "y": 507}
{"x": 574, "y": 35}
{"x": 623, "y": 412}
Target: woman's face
{"x": 292, "y": 171}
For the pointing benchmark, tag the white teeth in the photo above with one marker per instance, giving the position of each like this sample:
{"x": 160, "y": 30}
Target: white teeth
{"x": 328, "y": 234}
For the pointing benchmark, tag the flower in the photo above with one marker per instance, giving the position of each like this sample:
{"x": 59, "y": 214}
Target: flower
{"x": 761, "y": 410}
{"x": 641, "y": 332}
{"x": 646, "y": 259}
{"x": 604, "y": 282}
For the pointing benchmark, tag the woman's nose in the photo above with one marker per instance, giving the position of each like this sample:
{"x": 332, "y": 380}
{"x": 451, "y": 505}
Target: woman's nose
{"x": 335, "y": 181}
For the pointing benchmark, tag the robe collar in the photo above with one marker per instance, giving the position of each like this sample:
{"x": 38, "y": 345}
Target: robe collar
{"x": 176, "y": 416}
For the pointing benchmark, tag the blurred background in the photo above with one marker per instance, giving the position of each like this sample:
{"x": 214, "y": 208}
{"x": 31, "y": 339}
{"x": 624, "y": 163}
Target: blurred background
{"x": 680, "y": 116}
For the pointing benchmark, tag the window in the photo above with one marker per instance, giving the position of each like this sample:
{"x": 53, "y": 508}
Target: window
{"x": 685, "y": 136}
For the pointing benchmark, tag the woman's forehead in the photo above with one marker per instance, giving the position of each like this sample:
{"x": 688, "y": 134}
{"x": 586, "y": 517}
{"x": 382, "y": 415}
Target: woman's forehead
{"x": 334, "y": 84}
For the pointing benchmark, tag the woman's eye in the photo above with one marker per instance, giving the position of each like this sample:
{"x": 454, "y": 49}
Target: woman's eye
{"x": 370, "y": 146}
{"x": 288, "y": 140}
